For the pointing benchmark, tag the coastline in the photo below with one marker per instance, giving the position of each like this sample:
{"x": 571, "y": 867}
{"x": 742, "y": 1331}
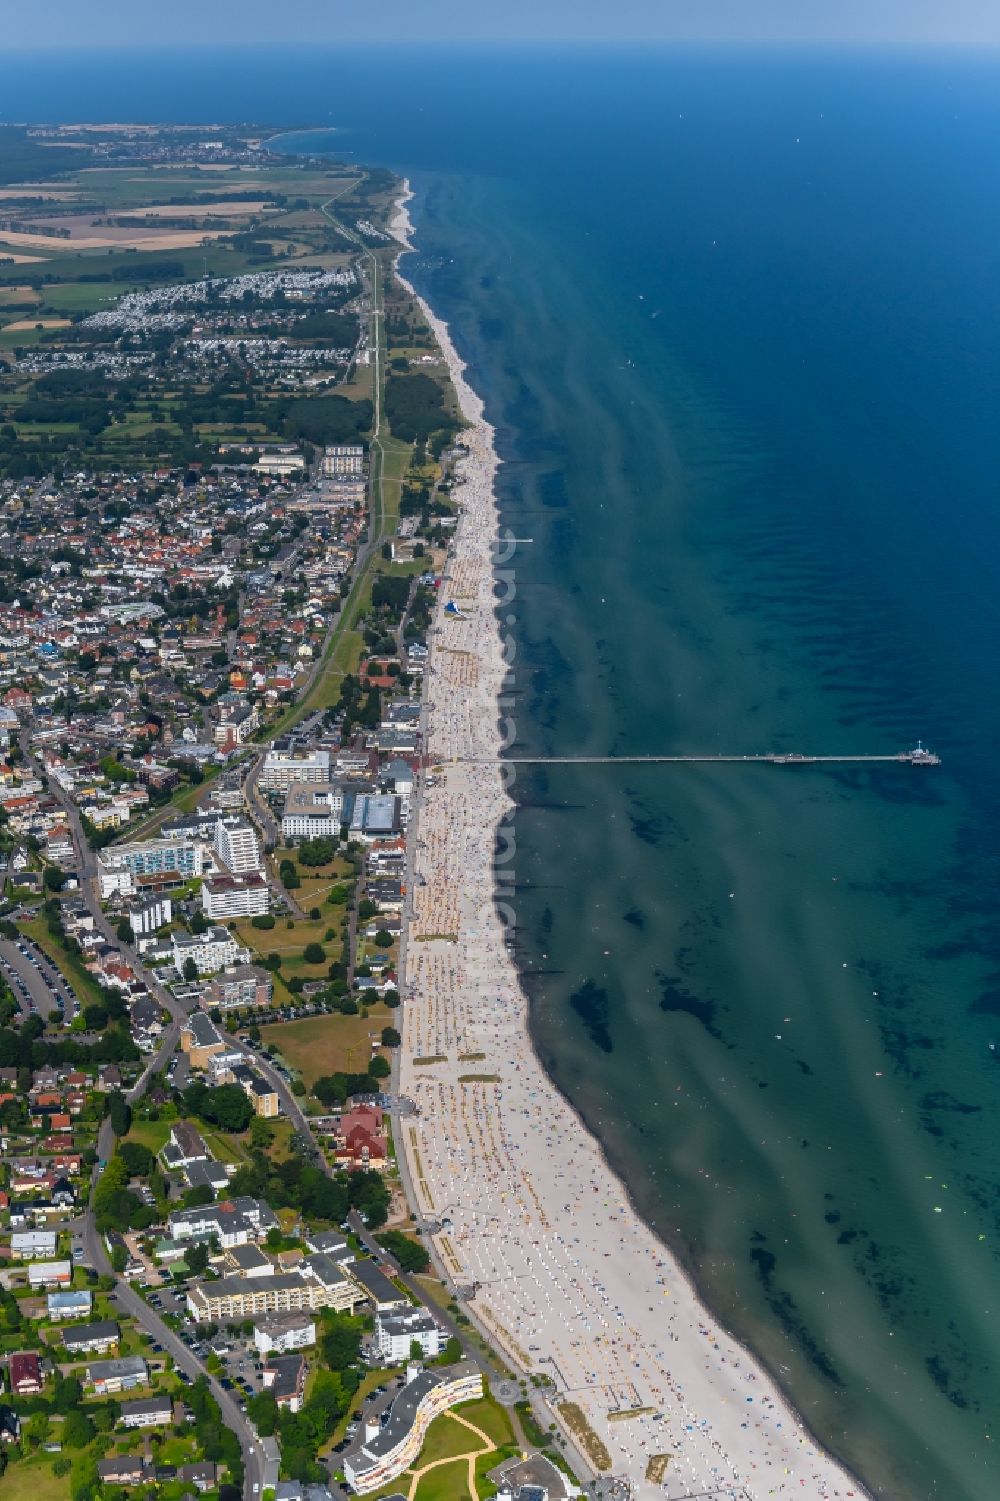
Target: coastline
{"x": 567, "y": 1273}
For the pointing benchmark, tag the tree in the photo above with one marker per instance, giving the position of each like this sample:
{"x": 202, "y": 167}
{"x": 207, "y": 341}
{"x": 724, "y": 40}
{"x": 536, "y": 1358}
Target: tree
{"x": 37, "y": 1429}
{"x": 197, "y": 1197}
{"x": 366, "y": 909}
{"x": 138, "y": 1159}
{"x": 261, "y": 1134}
{"x": 225, "y": 1106}
{"x": 262, "y": 1411}
{"x": 77, "y": 1429}
{"x": 119, "y": 1112}
{"x": 340, "y": 1344}
{"x": 391, "y": 999}
{"x": 53, "y": 878}
{"x": 119, "y": 1258}
{"x": 410, "y": 1254}
{"x": 452, "y": 1352}
{"x": 380, "y": 1068}
{"x": 190, "y": 970}
{"x": 314, "y": 953}
{"x": 383, "y": 938}
{"x": 123, "y": 928}
{"x": 390, "y": 1037}
{"x": 196, "y": 1257}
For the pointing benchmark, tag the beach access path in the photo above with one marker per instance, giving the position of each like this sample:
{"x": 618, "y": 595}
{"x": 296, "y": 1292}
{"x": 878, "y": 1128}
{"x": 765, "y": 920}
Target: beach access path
{"x": 570, "y": 1284}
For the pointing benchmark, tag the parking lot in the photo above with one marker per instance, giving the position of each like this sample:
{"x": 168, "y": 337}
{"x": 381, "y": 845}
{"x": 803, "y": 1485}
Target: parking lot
{"x": 241, "y": 1363}
{"x": 37, "y": 985}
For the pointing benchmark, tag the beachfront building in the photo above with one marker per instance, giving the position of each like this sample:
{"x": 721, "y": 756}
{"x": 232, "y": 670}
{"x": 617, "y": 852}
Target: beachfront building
{"x": 382, "y": 1453}
{"x": 282, "y": 768}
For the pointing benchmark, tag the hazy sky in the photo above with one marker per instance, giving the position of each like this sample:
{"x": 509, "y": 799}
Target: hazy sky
{"x": 63, "y": 23}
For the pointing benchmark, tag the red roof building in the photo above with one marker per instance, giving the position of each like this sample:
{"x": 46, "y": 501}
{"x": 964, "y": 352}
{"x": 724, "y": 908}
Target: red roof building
{"x": 25, "y": 1375}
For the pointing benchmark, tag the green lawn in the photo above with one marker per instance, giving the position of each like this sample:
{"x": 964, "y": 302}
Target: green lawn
{"x": 321, "y": 1045}
{"x": 446, "y": 1483}
{"x": 33, "y": 1480}
{"x": 446, "y": 1439}
{"x": 151, "y": 1134}
{"x": 488, "y": 1415}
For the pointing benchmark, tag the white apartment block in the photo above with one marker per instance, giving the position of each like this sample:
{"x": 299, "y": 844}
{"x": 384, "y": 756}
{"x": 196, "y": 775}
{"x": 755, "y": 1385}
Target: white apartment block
{"x": 343, "y": 461}
{"x": 396, "y": 1333}
{"x": 282, "y": 768}
{"x": 237, "y": 847}
{"x": 312, "y": 810}
{"x": 210, "y": 951}
{"x": 225, "y": 897}
{"x": 235, "y": 1298}
{"x": 385, "y": 1452}
{"x": 124, "y": 867}
{"x": 279, "y": 1333}
{"x": 147, "y": 917}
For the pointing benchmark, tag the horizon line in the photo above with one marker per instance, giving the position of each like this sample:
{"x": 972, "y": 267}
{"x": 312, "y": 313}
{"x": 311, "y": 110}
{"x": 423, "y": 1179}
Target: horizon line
{"x": 807, "y": 45}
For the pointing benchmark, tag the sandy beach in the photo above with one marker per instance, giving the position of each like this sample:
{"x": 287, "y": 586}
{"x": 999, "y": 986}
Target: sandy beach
{"x": 570, "y": 1283}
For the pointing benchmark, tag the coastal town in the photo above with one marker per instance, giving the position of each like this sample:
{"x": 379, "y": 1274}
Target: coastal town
{"x": 288, "y": 1208}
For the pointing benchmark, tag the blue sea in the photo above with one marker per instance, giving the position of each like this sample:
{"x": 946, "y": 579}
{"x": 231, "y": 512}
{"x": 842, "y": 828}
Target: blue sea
{"x": 736, "y": 318}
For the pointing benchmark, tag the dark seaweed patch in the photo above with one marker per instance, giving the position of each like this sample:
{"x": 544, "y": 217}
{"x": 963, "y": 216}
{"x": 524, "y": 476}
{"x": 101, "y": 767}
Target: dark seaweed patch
{"x": 673, "y": 997}
{"x": 590, "y": 1003}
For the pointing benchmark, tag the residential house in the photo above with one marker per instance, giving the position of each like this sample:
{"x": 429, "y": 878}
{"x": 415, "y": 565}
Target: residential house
{"x": 91, "y": 1339}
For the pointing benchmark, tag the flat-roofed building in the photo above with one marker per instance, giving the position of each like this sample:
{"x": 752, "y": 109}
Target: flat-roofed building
{"x": 234, "y": 989}
{"x": 226, "y": 897}
{"x": 397, "y": 1333}
{"x": 216, "y": 949}
{"x": 281, "y": 768}
{"x": 277, "y": 1333}
{"x": 343, "y": 461}
{"x": 125, "y": 867}
{"x": 232, "y": 1298}
{"x": 312, "y": 811}
{"x": 237, "y": 845}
